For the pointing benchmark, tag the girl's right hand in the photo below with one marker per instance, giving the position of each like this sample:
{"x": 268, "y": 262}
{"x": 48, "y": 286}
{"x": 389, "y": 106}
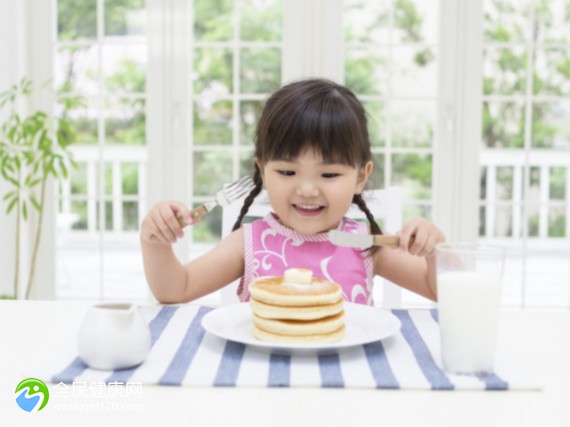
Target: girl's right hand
{"x": 162, "y": 223}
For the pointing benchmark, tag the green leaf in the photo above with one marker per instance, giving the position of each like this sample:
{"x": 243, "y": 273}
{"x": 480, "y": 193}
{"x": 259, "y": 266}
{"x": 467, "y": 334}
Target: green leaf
{"x": 25, "y": 210}
{"x": 36, "y": 204}
{"x": 8, "y": 195}
{"x": 11, "y": 205}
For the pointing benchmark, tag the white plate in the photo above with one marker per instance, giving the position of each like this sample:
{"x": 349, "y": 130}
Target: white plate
{"x": 364, "y": 324}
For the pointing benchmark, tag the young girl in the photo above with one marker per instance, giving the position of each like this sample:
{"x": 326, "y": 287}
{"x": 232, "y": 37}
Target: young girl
{"x": 313, "y": 157}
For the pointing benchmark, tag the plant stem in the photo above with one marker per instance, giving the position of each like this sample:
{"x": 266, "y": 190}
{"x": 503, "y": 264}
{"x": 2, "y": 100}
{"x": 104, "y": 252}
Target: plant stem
{"x": 37, "y": 239}
{"x": 17, "y": 255}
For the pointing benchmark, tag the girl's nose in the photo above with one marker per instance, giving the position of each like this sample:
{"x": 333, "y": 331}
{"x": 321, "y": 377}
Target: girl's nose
{"x": 307, "y": 189}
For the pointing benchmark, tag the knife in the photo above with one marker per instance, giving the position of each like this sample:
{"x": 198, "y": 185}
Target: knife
{"x": 352, "y": 240}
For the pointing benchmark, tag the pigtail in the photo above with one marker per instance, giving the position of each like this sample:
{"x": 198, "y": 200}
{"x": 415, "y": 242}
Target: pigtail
{"x": 250, "y": 198}
{"x": 374, "y": 227}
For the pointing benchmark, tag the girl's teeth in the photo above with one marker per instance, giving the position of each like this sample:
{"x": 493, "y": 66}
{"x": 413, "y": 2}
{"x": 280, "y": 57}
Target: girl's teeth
{"x": 309, "y": 207}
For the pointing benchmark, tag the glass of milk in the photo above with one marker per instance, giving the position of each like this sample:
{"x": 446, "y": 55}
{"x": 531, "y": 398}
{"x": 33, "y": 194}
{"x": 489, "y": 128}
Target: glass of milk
{"x": 469, "y": 282}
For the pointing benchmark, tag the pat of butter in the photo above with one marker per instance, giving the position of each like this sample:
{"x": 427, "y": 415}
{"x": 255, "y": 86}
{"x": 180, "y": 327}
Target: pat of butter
{"x": 298, "y": 275}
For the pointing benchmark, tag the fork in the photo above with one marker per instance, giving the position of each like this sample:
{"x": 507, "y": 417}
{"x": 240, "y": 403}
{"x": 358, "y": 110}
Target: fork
{"x": 228, "y": 194}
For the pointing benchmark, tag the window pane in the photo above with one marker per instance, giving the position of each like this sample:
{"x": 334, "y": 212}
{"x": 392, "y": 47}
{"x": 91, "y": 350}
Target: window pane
{"x": 212, "y": 71}
{"x": 504, "y": 71}
{"x": 79, "y": 208}
{"x": 249, "y": 112}
{"x": 213, "y": 20}
{"x": 413, "y": 123}
{"x": 533, "y": 195}
{"x": 366, "y": 21}
{"x": 557, "y": 221}
{"x": 83, "y": 121}
{"x": 366, "y": 70}
{"x": 261, "y": 20}
{"x": 76, "y": 19}
{"x": 483, "y": 183}
{"x": 130, "y": 216}
{"x": 130, "y": 178}
{"x": 125, "y": 122}
{"x": 212, "y": 169}
{"x": 76, "y": 70}
{"x": 108, "y": 179}
{"x": 557, "y": 183}
{"x": 246, "y": 163}
{"x": 503, "y": 124}
{"x": 552, "y": 20}
{"x": 108, "y": 216}
{"x": 413, "y": 172}
{"x": 411, "y": 211}
{"x": 377, "y": 180}
{"x": 503, "y": 221}
{"x": 209, "y": 229}
{"x": 125, "y": 17}
{"x": 552, "y": 71}
{"x": 212, "y": 122}
{"x": 551, "y": 125}
{"x": 482, "y": 220}
{"x": 504, "y": 187}
{"x": 416, "y": 21}
{"x": 124, "y": 67}
{"x": 505, "y": 20}
{"x": 260, "y": 70}
{"x": 532, "y": 212}
{"x": 414, "y": 72}
{"x": 78, "y": 178}
{"x": 377, "y": 122}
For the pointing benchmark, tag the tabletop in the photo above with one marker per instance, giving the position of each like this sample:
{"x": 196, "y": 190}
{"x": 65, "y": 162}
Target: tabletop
{"x": 540, "y": 340}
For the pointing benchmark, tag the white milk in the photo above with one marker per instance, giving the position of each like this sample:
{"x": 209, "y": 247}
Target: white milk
{"x": 469, "y": 305}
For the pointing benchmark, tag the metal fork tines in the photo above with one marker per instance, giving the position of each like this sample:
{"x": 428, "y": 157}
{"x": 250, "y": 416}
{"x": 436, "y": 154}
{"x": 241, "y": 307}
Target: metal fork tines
{"x": 228, "y": 194}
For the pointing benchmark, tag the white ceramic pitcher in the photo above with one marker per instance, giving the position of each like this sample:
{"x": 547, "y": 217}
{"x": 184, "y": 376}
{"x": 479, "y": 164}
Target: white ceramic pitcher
{"x": 113, "y": 336}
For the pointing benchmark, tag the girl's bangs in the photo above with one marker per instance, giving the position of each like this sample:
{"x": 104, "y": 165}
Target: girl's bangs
{"x": 332, "y": 134}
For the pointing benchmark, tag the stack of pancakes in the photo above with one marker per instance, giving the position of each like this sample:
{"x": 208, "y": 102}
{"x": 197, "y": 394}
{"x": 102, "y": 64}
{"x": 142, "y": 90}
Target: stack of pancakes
{"x": 297, "y": 308}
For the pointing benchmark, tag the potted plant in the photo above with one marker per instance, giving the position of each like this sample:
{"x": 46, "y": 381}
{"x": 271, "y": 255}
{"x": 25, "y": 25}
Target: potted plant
{"x": 33, "y": 148}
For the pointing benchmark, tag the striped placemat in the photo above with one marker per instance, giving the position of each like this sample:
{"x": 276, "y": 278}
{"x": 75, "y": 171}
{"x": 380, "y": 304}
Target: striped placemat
{"x": 183, "y": 354}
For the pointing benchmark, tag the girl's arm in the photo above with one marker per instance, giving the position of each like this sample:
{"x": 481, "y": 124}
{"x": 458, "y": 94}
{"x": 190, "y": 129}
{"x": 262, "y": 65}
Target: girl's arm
{"x": 169, "y": 280}
{"x": 412, "y": 267}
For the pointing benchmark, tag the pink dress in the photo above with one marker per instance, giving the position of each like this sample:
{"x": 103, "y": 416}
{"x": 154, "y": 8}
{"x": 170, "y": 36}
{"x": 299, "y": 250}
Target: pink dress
{"x": 270, "y": 249}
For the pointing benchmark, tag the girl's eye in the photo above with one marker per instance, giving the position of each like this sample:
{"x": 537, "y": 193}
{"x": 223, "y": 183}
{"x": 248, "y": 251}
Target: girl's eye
{"x": 286, "y": 172}
{"x": 330, "y": 175}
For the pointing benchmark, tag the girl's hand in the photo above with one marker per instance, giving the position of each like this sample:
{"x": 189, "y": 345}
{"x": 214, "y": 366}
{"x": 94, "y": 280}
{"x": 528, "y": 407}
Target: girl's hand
{"x": 162, "y": 223}
{"x": 426, "y": 236}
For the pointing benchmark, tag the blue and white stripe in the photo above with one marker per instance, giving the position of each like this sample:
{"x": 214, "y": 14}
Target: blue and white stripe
{"x": 183, "y": 354}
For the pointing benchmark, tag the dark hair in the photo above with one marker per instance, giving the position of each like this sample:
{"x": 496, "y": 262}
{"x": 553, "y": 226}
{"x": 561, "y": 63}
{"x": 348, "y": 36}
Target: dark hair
{"x": 318, "y": 115}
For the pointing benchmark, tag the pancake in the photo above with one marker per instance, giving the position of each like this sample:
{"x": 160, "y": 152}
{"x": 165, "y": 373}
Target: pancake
{"x": 276, "y": 291}
{"x": 300, "y": 327}
{"x": 307, "y": 312}
{"x": 296, "y": 308}
{"x": 264, "y": 335}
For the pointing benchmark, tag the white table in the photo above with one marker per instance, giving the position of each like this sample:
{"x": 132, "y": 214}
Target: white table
{"x": 30, "y": 329}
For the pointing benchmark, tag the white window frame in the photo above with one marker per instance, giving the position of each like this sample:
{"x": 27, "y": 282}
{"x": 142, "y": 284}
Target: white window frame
{"x": 455, "y": 176}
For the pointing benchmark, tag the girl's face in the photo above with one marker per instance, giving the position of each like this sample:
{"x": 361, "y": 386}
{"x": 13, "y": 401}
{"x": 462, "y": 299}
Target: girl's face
{"x": 311, "y": 196}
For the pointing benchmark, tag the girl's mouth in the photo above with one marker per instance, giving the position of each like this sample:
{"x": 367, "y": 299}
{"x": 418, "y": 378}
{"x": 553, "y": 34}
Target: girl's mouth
{"x": 308, "y": 210}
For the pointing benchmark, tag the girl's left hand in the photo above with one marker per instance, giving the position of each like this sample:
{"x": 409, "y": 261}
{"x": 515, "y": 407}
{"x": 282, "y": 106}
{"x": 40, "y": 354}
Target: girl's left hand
{"x": 426, "y": 236}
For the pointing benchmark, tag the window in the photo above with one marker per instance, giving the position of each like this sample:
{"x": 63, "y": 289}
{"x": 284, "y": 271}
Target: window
{"x": 525, "y": 172}
{"x": 179, "y": 123}
{"x": 101, "y": 55}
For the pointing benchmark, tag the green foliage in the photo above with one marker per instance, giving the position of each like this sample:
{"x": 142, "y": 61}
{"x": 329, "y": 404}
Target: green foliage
{"x": 33, "y": 148}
